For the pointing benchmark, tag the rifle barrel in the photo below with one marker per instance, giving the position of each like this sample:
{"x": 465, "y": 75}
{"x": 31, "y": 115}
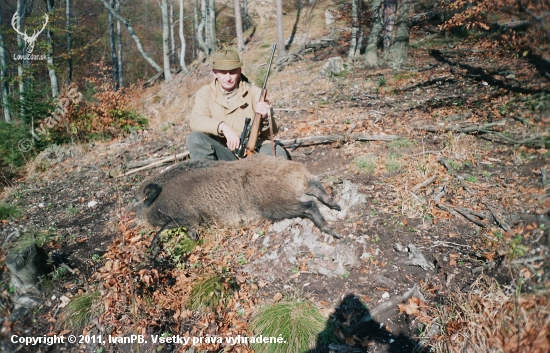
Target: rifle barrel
{"x": 269, "y": 65}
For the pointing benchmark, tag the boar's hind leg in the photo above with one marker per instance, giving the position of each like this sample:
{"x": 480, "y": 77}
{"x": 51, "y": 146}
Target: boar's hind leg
{"x": 151, "y": 192}
{"x": 309, "y": 210}
{"x": 314, "y": 188}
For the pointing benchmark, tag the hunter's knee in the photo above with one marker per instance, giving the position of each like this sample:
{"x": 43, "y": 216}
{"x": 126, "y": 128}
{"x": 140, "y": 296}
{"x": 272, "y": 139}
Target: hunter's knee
{"x": 195, "y": 139}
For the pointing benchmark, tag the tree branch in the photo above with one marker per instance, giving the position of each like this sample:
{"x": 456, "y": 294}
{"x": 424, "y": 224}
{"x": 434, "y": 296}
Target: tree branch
{"x": 133, "y": 35}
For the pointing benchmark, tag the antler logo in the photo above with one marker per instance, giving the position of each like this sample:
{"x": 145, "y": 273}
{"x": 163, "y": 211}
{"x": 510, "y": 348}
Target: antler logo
{"x": 28, "y": 39}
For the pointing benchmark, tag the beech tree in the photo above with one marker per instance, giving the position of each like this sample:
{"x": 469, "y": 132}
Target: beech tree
{"x": 172, "y": 39}
{"x": 206, "y": 30}
{"x": 399, "y": 50}
{"x": 112, "y": 42}
{"x": 390, "y": 9}
{"x": 354, "y": 29}
{"x": 51, "y": 65}
{"x": 134, "y": 36}
{"x": 281, "y": 51}
{"x": 371, "y": 52}
{"x": 238, "y": 25}
{"x": 245, "y": 16}
{"x": 118, "y": 46}
{"x": 165, "y": 39}
{"x": 182, "y": 40}
{"x": 3, "y": 73}
{"x": 69, "y": 41}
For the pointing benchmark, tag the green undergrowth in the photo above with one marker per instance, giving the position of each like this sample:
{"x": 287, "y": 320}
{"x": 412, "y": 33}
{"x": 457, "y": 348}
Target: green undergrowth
{"x": 9, "y": 211}
{"x": 177, "y": 245}
{"x": 298, "y": 322}
{"x": 81, "y": 309}
{"x": 36, "y": 236}
{"x": 208, "y": 291}
{"x": 365, "y": 164}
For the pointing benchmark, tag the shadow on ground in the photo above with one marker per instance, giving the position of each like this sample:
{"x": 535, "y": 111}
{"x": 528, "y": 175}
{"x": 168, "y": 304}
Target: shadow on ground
{"x": 352, "y": 319}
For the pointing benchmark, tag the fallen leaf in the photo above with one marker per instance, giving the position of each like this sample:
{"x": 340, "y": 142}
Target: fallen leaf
{"x": 277, "y": 297}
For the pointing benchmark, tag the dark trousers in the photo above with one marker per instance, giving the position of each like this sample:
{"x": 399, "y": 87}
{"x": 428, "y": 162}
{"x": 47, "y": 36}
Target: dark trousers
{"x": 206, "y": 146}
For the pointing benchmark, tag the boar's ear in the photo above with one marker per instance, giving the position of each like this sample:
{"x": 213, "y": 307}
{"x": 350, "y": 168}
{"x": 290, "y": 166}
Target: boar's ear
{"x": 151, "y": 192}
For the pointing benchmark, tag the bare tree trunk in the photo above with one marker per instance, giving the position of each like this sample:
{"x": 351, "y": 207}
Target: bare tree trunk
{"x": 212, "y": 22}
{"x": 206, "y": 19}
{"x": 246, "y": 17}
{"x": 172, "y": 39}
{"x": 238, "y": 25}
{"x": 165, "y": 41}
{"x": 134, "y": 37}
{"x": 69, "y": 41}
{"x": 371, "y": 52}
{"x": 204, "y": 40}
{"x": 399, "y": 51}
{"x": 112, "y": 40}
{"x": 3, "y": 74}
{"x": 390, "y": 9}
{"x": 119, "y": 46}
{"x": 281, "y": 51}
{"x": 354, "y": 29}
{"x": 50, "y": 61}
{"x": 21, "y": 48}
{"x": 182, "y": 39}
{"x": 195, "y": 25}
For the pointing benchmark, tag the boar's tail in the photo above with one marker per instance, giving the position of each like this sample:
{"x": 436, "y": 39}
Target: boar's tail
{"x": 151, "y": 191}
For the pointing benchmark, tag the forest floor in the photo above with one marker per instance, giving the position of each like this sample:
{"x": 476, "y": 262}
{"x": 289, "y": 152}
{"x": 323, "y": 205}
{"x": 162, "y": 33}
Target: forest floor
{"x": 456, "y": 206}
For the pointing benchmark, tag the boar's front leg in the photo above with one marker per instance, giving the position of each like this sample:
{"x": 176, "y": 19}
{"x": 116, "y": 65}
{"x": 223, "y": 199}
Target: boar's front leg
{"x": 309, "y": 210}
{"x": 314, "y": 188}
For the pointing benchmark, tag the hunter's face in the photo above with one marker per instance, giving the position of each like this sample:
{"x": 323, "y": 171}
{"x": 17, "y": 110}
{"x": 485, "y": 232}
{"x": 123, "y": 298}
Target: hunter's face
{"x": 228, "y": 79}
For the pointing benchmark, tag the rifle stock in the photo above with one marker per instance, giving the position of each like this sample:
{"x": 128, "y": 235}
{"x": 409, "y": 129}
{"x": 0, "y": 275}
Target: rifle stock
{"x": 256, "y": 123}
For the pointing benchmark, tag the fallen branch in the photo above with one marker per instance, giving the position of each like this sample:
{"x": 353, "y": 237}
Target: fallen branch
{"x": 445, "y": 162}
{"x": 424, "y": 183}
{"x": 466, "y": 130}
{"x": 289, "y": 110}
{"x": 498, "y": 215}
{"x": 316, "y": 140}
{"x": 153, "y": 79}
{"x": 470, "y": 216}
{"x": 427, "y": 83}
{"x": 447, "y": 244}
{"x": 144, "y": 162}
{"x": 162, "y": 161}
{"x": 530, "y": 259}
{"x": 529, "y": 140}
{"x": 448, "y": 209}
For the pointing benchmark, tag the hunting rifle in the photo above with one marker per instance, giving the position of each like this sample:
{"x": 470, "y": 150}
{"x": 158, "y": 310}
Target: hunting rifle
{"x": 240, "y": 151}
{"x": 256, "y": 123}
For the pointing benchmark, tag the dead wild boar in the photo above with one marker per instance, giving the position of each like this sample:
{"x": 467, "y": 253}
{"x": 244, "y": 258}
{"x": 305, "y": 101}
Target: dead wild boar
{"x": 231, "y": 194}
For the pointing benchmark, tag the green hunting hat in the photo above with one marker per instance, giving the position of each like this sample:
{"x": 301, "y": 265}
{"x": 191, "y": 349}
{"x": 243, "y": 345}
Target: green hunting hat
{"x": 226, "y": 59}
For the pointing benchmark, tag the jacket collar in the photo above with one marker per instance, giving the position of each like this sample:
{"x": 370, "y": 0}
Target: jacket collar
{"x": 242, "y": 92}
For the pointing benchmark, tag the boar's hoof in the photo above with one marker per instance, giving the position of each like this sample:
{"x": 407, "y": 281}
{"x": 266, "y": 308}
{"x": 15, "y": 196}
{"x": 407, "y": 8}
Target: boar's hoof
{"x": 192, "y": 234}
{"x": 330, "y": 230}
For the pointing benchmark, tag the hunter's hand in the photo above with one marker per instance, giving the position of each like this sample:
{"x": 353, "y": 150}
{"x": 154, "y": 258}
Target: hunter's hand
{"x": 262, "y": 108}
{"x": 233, "y": 139}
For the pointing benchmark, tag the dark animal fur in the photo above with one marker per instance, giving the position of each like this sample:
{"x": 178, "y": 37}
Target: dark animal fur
{"x": 231, "y": 194}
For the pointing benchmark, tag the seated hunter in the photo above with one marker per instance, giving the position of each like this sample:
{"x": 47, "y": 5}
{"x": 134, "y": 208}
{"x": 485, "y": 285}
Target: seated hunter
{"x": 221, "y": 107}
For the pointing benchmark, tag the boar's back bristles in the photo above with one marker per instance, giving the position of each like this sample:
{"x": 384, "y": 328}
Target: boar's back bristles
{"x": 231, "y": 194}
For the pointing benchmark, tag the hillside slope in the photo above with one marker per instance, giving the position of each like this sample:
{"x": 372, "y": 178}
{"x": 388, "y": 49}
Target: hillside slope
{"x": 454, "y": 209}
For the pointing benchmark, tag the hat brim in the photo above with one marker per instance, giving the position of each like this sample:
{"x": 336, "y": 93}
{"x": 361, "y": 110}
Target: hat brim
{"x": 226, "y": 65}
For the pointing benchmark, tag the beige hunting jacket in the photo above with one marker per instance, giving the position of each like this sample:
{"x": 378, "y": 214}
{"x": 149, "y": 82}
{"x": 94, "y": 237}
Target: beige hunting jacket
{"x": 211, "y": 109}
